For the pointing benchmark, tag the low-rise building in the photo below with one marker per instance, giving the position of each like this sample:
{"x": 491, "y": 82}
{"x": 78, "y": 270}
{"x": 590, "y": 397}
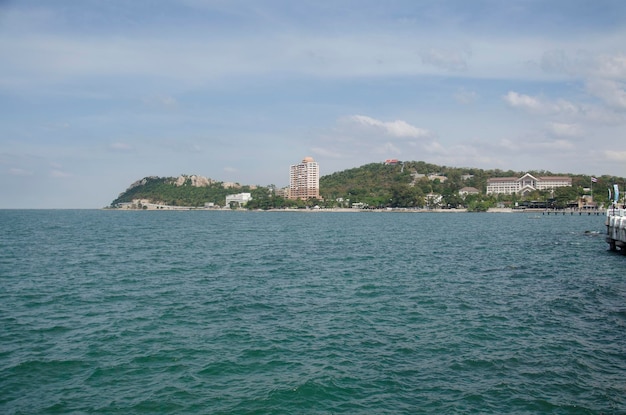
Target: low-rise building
{"x": 525, "y": 184}
{"x": 282, "y": 192}
{"x": 240, "y": 198}
{"x": 468, "y": 191}
{"x": 435, "y": 176}
{"x": 433, "y": 200}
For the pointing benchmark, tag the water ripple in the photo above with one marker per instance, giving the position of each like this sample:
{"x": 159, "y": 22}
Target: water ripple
{"x": 263, "y": 313}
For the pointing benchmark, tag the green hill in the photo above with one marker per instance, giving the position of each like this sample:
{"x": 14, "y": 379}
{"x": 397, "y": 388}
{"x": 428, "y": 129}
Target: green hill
{"x": 179, "y": 191}
{"x": 405, "y": 184}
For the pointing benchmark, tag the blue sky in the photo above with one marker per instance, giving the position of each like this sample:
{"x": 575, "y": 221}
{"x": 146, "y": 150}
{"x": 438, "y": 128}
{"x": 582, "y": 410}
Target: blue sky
{"x": 97, "y": 94}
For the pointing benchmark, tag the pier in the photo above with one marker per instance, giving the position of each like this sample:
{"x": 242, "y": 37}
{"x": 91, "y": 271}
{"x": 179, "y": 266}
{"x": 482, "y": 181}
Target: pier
{"x": 616, "y": 230}
{"x": 571, "y": 212}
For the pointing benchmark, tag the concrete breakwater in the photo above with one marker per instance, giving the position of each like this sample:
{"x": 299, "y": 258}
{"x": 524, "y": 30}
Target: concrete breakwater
{"x": 616, "y": 230}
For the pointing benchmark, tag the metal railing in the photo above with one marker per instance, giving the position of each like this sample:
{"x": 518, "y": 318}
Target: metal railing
{"x": 615, "y": 212}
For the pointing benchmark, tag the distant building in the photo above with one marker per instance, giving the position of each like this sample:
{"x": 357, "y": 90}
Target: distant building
{"x": 391, "y": 162}
{"x": 431, "y": 176}
{"x": 434, "y": 176}
{"x": 282, "y": 192}
{"x": 468, "y": 191}
{"x": 525, "y": 184}
{"x": 304, "y": 180}
{"x": 433, "y": 200}
{"x": 241, "y": 199}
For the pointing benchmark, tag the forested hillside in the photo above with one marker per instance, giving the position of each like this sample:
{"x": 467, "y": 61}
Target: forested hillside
{"x": 405, "y": 184}
{"x": 167, "y": 191}
{"x": 410, "y": 183}
{"x": 401, "y": 185}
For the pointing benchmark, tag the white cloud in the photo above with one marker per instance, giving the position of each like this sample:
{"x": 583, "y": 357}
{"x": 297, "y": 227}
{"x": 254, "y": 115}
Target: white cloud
{"x": 619, "y": 156}
{"x": 613, "y": 93}
{"x": 540, "y": 105}
{"x": 508, "y": 144}
{"x": 361, "y": 139}
{"x": 611, "y": 66}
{"x": 584, "y": 64}
{"x": 523, "y": 101}
{"x": 573, "y": 119}
{"x": 436, "y": 148}
{"x": 466, "y": 97}
{"x": 396, "y": 128}
{"x": 560, "y": 129}
{"x": 389, "y": 148}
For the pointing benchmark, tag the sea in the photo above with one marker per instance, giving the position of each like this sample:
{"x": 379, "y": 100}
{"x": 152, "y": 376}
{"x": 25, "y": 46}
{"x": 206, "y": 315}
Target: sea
{"x": 242, "y": 312}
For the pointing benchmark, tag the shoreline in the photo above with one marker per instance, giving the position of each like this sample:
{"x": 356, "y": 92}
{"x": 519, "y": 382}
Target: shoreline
{"x": 351, "y": 210}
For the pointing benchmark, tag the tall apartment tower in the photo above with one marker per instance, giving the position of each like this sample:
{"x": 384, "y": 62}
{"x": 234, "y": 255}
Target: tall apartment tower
{"x": 304, "y": 180}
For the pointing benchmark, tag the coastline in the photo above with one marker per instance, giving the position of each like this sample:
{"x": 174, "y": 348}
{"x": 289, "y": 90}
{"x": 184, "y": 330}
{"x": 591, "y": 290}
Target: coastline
{"x": 351, "y": 210}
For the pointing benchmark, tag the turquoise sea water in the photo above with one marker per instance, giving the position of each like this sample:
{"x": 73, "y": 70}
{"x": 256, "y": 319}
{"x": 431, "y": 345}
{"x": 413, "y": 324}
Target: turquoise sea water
{"x": 309, "y": 313}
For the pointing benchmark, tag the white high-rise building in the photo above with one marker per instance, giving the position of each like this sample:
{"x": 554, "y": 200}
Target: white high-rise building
{"x": 304, "y": 180}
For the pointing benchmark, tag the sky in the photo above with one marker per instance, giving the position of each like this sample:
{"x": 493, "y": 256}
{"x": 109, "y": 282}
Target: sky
{"x": 95, "y": 95}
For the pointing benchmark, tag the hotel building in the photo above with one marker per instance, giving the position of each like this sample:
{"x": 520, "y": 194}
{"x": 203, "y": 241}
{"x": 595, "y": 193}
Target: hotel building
{"x": 304, "y": 180}
{"x": 525, "y": 184}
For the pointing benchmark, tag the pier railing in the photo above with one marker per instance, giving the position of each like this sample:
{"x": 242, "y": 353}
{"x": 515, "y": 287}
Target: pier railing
{"x": 616, "y": 229}
{"x": 616, "y": 212}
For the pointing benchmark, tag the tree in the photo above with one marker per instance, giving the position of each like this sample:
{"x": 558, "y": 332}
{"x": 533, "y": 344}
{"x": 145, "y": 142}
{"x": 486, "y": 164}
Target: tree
{"x": 564, "y": 195}
{"x": 479, "y": 206}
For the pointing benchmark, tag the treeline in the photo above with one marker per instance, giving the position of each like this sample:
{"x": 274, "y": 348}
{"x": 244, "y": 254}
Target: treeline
{"x": 417, "y": 184}
{"x": 377, "y": 185}
{"x": 164, "y": 190}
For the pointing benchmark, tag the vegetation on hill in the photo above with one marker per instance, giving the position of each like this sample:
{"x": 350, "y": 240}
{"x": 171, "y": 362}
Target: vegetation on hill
{"x": 377, "y": 185}
{"x": 418, "y": 184}
{"x": 164, "y": 190}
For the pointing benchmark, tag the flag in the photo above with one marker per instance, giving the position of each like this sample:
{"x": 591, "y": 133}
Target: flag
{"x": 594, "y": 180}
{"x": 616, "y": 193}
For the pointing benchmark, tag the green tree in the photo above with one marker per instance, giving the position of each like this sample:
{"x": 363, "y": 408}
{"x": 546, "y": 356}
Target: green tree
{"x": 564, "y": 195}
